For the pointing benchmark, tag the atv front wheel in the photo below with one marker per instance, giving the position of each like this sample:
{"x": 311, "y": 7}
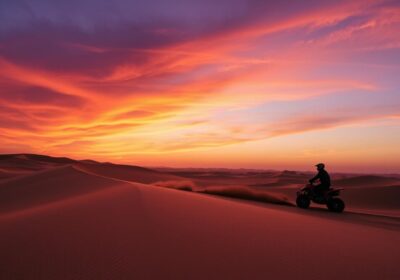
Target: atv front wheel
{"x": 303, "y": 201}
{"x": 335, "y": 205}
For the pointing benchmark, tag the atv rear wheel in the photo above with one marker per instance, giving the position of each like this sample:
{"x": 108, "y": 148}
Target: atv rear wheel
{"x": 335, "y": 205}
{"x": 303, "y": 201}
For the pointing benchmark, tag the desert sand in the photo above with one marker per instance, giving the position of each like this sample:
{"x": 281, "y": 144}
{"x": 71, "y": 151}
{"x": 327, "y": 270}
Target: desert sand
{"x": 67, "y": 219}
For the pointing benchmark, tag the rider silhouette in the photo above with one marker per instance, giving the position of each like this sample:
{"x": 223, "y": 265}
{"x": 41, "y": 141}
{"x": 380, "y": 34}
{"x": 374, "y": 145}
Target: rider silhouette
{"x": 323, "y": 177}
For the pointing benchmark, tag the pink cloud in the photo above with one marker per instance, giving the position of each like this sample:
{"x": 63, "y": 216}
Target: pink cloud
{"x": 157, "y": 85}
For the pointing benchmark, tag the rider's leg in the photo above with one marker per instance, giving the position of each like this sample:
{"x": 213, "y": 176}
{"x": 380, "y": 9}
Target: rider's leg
{"x": 318, "y": 189}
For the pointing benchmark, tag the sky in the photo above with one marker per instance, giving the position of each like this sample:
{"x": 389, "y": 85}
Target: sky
{"x": 203, "y": 83}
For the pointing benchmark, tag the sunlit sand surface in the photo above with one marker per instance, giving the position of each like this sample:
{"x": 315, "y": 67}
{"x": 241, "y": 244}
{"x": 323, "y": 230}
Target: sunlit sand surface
{"x": 66, "y": 219}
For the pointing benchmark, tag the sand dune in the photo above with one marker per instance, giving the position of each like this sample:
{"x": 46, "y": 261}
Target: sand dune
{"x": 126, "y": 172}
{"x": 6, "y": 174}
{"x": 380, "y": 197}
{"x": 15, "y": 165}
{"x": 74, "y": 223}
{"x": 32, "y": 161}
{"x": 32, "y": 158}
{"x": 367, "y": 181}
{"x": 22, "y": 165}
{"x": 46, "y": 187}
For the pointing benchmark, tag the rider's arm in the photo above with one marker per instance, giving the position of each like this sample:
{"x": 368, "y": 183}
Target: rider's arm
{"x": 314, "y": 178}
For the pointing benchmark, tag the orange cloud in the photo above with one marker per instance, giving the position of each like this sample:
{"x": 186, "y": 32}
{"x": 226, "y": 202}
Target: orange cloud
{"x": 171, "y": 96}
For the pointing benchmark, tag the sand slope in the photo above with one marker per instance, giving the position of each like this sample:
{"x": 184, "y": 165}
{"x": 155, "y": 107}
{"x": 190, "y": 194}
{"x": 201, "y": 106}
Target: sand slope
{"x": 66, "y": 219}
{"x": 125, "y": 172}
{"x": 16, "y": 165}
{"x": 95, "y": 227}
{"x": 48, "y": 186}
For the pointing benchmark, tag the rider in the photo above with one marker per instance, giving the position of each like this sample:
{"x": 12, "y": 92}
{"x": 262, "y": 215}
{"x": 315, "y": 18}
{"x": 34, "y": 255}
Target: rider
{"x": 324, "y": 179}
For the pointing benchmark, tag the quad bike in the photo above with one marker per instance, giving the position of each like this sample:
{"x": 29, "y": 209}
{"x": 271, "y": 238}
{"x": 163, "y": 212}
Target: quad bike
{"x": 329, "y": 197}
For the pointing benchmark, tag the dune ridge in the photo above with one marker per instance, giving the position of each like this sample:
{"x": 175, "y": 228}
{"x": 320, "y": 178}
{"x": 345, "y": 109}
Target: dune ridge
{"x": 126, "y": 172}
{"x": 47, "y": 186}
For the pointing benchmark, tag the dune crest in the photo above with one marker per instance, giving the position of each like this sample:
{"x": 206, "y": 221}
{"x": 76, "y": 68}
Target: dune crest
{"x": 48, "y": 186}
{"x": 125, "y": 172}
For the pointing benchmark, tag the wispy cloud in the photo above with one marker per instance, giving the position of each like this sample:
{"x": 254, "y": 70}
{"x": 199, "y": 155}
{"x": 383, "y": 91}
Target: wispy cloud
{"x": 157, "y": 77}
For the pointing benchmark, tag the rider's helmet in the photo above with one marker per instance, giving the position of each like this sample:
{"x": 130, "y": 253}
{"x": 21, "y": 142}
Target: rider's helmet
{"x": 320, "y": 165}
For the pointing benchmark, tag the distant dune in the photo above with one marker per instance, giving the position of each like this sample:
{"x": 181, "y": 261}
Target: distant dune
{"x": 125, "y": 172}
{"x": 68, "y": 219}
{"x": 14, "y": 165}
{"x": 48, "y": 186}
{"x": 366, "y": 181}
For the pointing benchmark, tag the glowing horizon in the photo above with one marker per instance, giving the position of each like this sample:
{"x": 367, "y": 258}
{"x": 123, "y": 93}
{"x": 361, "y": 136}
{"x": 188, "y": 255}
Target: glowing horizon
{"x": 242, "y": 84}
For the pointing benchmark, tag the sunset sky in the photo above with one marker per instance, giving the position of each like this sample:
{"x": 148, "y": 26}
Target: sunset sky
{"x": 203, "y": 83}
